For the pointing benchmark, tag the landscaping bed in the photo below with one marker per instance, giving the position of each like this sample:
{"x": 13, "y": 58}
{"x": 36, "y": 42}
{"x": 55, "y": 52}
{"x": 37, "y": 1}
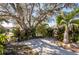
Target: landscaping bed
{"x": 19, "y": 50}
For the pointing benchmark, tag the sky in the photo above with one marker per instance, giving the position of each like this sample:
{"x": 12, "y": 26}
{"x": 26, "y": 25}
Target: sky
{"x": 7, "y": 24}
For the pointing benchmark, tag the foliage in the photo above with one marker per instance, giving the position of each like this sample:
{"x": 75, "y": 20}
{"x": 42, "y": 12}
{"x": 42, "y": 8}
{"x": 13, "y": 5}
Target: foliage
{"x": 2, "y": 30}
{"x": 50, "y": 32}
{"x": 3, "y": 40}
{"x": 20, "y": 34}
{"x": 67, "y": 19}
{"x": 33, "y": 33}
{"x": 1, "y": 49}
{"x": 74, "y": 34}
{"x": 42, "y": 30}
{"x": 58, "y": 33}
{"x": 16, "y": 32}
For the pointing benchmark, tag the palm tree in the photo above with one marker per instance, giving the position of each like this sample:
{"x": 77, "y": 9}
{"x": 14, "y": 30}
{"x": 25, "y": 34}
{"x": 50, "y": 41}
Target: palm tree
{"x": 67, "y": 19}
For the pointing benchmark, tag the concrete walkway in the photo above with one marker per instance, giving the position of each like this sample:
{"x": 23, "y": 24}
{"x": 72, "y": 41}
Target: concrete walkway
{"x": 45, "y": 47}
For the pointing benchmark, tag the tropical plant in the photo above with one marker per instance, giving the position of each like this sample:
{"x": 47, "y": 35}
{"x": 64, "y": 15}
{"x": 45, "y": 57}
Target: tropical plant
{"x": 58, "y": 33}
{"x": 3, "y": 40}
{"x": 2, "y": 30}
{"x": 67, "y": 19}
{"x": 1, "y": 49}
{"x": 50, "y": 32}
{"x": 17, "y": 33}
{"x": 42, "y": 29}
{"x": 74, "y": 33}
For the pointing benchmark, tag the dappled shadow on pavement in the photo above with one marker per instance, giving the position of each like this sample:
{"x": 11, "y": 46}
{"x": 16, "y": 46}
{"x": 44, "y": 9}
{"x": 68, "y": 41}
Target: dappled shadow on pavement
{"x": 44, "y": 47}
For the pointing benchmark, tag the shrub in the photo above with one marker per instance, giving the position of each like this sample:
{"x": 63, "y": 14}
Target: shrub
{"x": 20, "y": 34}
{"x": 41, "y": 30}
{"x": 1, "y": 49}
{"x": 49, "y": 32}
{"x": 2, "y": 30}
{"x": 58, "y": 33}
{"x": 3, "y": 40}
{"x": 16, "y": 32}
{"x": 74, "y": 34}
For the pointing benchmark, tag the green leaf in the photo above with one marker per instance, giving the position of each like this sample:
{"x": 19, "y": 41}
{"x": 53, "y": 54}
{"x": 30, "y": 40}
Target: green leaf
{"x": 58, "y": 20}
{"x": 62, "y": 22}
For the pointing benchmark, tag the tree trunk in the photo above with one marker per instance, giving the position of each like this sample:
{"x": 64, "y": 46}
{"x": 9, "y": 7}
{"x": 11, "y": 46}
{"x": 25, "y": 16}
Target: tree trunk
{"x": 66, "y": 36}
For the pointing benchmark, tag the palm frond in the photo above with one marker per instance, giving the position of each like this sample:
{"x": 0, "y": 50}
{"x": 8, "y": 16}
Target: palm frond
{"x": 58, "y": 19}
{"x": 76, "y": 21}
{"x": 62, "y": 22}
{"x": 72, "y": 14}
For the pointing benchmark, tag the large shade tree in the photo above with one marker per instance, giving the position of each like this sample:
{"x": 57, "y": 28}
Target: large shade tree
{"x": 30, "y": 15}
{"x": 67, "y": 20}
